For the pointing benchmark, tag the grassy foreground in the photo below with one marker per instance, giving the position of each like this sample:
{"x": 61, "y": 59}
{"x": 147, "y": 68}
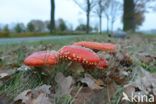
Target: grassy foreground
{"x": 12, "y": 56}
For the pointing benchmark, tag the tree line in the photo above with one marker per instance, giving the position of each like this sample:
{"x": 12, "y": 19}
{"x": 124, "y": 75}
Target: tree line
{"x": 44, "y": 26}
{"x": 131, "y": 12}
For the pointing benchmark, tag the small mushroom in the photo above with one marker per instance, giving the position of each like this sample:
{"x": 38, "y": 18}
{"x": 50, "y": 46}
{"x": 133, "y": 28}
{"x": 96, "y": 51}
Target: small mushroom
{"x": 42, "y": 58}
{"x": 97, "y": 46}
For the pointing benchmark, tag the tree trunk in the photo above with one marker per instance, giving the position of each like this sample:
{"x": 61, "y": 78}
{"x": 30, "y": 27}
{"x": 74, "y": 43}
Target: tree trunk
{"x": 112, "y": 26}
{"x": 52, "y": 19}
{"x": 107, "y": 24}
{"x": 88, "y": 16}
{"x": 100, "y": 24}
{"x": 87, "y": 25}
{"x": 128, "y": 15}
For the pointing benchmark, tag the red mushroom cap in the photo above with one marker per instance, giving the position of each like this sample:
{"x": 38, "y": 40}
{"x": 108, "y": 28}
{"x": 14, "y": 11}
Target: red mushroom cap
{"x": 79, "y": 54}
{"x": 102, "y": 64}
{"x": 42, "y": 58}
{"x": 97, "y": 46}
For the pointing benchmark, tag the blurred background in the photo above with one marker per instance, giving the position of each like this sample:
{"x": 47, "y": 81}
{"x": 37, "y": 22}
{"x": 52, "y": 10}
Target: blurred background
{"x": 20, "y": 18}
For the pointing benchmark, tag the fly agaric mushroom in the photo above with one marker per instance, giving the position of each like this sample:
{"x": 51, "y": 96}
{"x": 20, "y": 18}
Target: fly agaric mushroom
{"x": 85, "y": 56}
{"x": 102, "y": 64}
{"x": 79, "y": 54}
{"x": 42, "y": 58}
{"x": 97, "y": 46}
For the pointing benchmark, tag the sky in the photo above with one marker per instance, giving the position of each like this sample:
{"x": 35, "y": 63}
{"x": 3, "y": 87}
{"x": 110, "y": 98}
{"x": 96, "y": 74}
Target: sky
{"x": 14, "y": 11}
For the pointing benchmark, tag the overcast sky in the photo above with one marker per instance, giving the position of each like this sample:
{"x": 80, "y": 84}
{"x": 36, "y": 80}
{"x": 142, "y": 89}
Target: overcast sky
{"x": 13, "y": 11}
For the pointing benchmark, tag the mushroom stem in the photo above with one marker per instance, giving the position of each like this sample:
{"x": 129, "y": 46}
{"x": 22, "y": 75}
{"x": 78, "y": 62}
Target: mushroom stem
{"x": 76, "y": 68}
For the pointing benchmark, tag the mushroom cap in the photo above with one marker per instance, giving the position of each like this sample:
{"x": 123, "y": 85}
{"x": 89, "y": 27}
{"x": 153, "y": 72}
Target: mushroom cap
{"x": 102, "y": 64}
{"x": 97, "y": 46}
{"x": 79, "y": 54}
{"x": 42, "y": 58}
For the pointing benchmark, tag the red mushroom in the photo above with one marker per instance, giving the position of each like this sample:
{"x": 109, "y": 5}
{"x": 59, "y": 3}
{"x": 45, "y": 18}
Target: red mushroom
{"x": 97, "y": 46}
{"x": 79, "y": 54}
{"x": 42, "y": 58}
{"x": 102, "y": 64}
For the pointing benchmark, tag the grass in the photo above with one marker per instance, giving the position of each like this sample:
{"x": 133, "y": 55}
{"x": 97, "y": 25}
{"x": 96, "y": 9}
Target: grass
{"x": 19, "y": 82}
{"x": 12, "y": 55}
{"x": 30, "y": 79}
{"x": 23, "y": 80}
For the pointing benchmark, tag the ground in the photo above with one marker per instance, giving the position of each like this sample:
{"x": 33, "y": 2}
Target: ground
{"x": 135, "y": 47}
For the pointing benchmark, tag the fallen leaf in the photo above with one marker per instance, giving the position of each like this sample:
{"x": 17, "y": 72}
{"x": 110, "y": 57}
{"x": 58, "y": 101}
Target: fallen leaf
{"x": 119, "y": 75}
{"x": 2, "y": 75}
{"x": 111, "y": 90}
{"x": 42, "y": 99}
{"x": 89, "y": 96}
{"x": 5, "y": 75}
{"x": 91, "y": 82}
{"x": 144, "y": 83}
{"x": 24, "y": 97}
{"x": 43, "y": 89}
{"x": 146, "y": 57}
{"x": 64, "y": 84}
{"x": 39, "y": 95}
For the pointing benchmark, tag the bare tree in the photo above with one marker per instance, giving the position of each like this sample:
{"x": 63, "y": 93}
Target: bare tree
{"x": 115, "y": 11}
{"x": 99, "y": 9}
{"x": 87, "y": 6}
{"x": 112, "y": 12}
{"x": 52, "y": 16}
{"x": 106, "y": 13}
{"x": 145, "y": 5}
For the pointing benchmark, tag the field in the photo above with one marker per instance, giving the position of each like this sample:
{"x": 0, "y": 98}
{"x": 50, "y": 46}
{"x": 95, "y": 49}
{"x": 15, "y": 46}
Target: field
{"x": 135, "y": 54}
